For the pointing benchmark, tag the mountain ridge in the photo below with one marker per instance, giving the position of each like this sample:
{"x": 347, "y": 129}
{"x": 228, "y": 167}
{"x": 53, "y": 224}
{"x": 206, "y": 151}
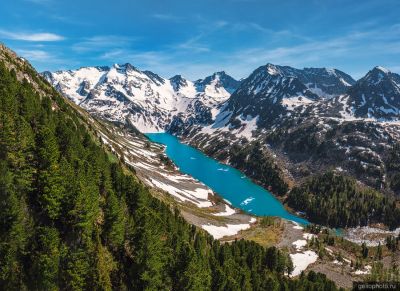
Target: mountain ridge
{"x": 146, "y": 99}
{"x": 272, "y": 99}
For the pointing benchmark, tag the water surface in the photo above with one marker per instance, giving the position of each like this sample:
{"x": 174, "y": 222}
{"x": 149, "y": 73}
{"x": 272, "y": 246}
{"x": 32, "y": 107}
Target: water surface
{"x": 228, "y": 182}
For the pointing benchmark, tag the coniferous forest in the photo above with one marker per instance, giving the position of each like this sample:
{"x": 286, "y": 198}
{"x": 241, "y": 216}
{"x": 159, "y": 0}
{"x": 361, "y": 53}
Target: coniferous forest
{"x": 392, "y": 163}
{"x": 337, "y": 201}
{"x": 72, "y": 219}
{"x": 255, "y": 163}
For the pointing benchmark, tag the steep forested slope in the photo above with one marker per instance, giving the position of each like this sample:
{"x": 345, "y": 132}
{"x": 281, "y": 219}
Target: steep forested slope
{"x": 392, "y": 163}
{"x": 338, "y": 201}
{"x": 72, "y": 219}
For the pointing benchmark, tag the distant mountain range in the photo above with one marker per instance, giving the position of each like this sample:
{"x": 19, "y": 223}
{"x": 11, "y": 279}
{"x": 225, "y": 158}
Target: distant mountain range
{"x": 153, "y": 103}
{"x": 124, "y": 93}
{"x": 311, "y": 119}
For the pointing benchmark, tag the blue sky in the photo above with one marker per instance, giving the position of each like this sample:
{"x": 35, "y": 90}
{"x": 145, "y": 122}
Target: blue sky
{"x": 195, "y": 38}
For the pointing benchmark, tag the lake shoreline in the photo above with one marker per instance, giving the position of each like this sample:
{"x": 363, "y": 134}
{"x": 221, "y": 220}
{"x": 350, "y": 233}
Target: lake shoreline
{"x": 267, "y": 198}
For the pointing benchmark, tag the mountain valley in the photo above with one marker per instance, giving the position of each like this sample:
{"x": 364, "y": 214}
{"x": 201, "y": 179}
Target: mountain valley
{"x": 306, "y": 121}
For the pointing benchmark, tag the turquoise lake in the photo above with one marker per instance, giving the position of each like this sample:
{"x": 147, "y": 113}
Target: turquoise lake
{"x": 228, "y": 182}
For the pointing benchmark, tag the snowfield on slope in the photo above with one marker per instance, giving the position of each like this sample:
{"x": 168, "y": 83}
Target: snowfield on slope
{"x": 230, "y": 229}
{"x": 302, "y": 260}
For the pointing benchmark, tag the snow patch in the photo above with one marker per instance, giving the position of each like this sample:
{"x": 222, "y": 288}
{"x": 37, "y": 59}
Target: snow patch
{"x": 299, "y": 244}
{"x": 366, "y": 271}
{"x": 228, "y": 211}
{"x": 230, "y": 229}
{"x": 292, "y": 102}
{"x": 297, "y": 226}
{"x": 198, "y": 196}
{"x": 301, "y": 261}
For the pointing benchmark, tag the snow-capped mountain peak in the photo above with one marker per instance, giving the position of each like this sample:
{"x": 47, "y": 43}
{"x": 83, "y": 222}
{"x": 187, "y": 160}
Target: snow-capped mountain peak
{"x": 218, "y": 84}
{"x": 325, "y": 82}
{"x": 273, "y": 70}
{"x": 177, "y": 82}
{"x": 382, "y": 69}
{"x": 183, "y": 87}
{"x": 377, "y": 75}
{"x": 376, "y": 95}
{"x": 125, "y": 67}
{"x": 144, "y": 99}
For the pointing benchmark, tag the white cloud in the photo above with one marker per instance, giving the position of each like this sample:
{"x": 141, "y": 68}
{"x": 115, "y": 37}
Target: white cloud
{"x": 111, "y": 55}
{"x": 194, "y": 59}
{"x": 45, "y": 59}
{"x": 166, "y": 17}
{"x": 196, "y": 56}
{"x": 145, "y": 60}
{"x": 197, "y": 44}
{"x": 101, "y": 42}
{"x": 40, "y": 2}
{"x": 319, "y": 52}
{"x": 34, "y": 37}
{"x": 35, "y": 55}
{"x": 193, "y": 45}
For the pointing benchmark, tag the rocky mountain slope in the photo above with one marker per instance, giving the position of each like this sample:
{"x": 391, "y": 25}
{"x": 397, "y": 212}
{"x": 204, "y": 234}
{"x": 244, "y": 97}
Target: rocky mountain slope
{"x": 324, "y": 82}
{"x": 376, "y": 95}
